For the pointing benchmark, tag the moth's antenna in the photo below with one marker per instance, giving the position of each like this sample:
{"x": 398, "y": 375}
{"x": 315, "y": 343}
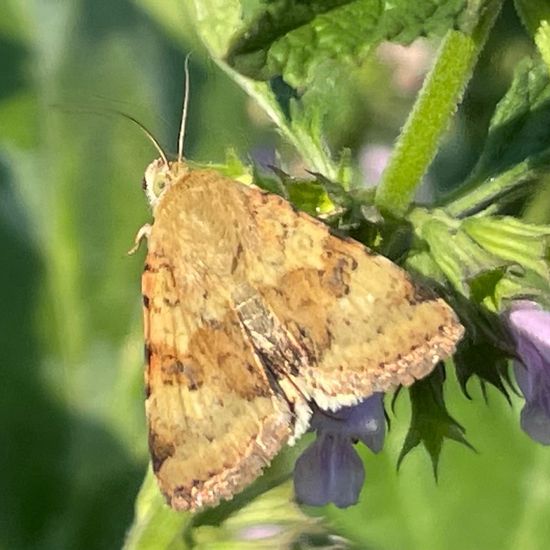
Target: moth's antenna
{"x": 149, "y": 135}
{"x": 108, "y": 111}
{"x": 184, "y": 112}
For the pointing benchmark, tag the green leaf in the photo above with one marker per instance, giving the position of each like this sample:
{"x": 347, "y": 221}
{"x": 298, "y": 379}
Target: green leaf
{"x": 517, "y": 149}
{"x": 456, "y": 254}
{"x": 520, "y": 127}
{"x": 512, "y": 240}
{"x": 404, "y": 21}
{"x": 521, "y": 285}
{"x": 269, "y": 182}
{"x": 422, "y": 262}
{"x": 155, "y": 524}
{"x": 274, "y": 515}
{"x": 484, "y": 360}
{"x": 532, "y": 12}
{"x": 394, "y": 239}
{"x": 542, "y": 40}
{"x": 431, "y": 423}
{"x": 308, "y": 195}
{"x": 535, "y": 15}
{"x": 291, "y": 38}
{"x": 299, "y": 121}
{"x": 268, "y": 503}
{"x": 481, "y": 323}
{"x": 233, "y": 167}
{"x": 487, "y": 346}
{"x": 337, "y": 194}
{"x": 476, "y": 254}
{"x": 484, "y": 285}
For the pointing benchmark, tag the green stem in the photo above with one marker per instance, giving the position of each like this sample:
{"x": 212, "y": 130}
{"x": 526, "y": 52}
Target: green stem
{"x": 475, "y": 196}
{"x": 436, "y": 104}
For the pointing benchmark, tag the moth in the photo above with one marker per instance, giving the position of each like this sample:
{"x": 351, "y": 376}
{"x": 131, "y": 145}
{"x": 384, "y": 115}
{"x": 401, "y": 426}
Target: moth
{"x": 254, "y": 313}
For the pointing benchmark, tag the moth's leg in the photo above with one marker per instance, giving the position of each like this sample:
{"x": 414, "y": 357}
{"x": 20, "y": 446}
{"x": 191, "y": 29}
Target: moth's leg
{"x": 143, "y": 233}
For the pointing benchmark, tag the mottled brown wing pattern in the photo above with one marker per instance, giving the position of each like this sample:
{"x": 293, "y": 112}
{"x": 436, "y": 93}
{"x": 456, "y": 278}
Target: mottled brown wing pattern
{"x": 214, "y": 420}
{"x": 364, "y": 324}
{"x": 252, "y": 309}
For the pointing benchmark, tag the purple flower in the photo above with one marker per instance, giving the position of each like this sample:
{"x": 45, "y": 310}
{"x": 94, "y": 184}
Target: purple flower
{"x": 330, "y": 469}
{"x": 529, "y": 323}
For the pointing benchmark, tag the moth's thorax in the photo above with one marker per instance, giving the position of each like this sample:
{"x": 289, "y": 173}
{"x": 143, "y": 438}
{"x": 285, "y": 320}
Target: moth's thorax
{"x": 159, "y": 177}
{"x": 202, "y": 222}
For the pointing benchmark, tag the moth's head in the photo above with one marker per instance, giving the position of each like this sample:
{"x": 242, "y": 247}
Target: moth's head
{"x": 160, "y": 175}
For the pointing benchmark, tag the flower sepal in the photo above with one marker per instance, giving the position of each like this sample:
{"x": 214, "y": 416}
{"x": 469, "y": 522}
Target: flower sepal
{"x": 431, "y": 422}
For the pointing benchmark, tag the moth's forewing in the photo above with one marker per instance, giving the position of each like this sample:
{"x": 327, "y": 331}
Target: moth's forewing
{"x": 214, "y": 420}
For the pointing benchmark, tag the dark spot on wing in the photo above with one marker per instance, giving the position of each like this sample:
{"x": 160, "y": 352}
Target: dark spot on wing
{"x": 236, "y": 257}
{"x": 160, "y": 450}
{"x": 147, "y": 353}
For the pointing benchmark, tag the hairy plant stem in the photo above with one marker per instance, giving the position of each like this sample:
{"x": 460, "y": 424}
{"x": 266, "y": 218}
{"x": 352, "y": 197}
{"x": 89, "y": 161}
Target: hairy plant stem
{"x": 436, "y": 104}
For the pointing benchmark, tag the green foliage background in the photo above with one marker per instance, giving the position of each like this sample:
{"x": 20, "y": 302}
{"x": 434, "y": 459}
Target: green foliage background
{"x": 72, "y": 430}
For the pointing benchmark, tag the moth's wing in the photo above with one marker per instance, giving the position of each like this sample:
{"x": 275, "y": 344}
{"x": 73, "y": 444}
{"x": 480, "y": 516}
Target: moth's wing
{"x": 363, "y": 323}
{"x": 214, "y": 420}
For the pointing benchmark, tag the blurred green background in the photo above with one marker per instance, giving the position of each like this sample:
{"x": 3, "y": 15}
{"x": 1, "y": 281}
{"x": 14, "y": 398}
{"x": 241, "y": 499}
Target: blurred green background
{"x": 72, "y": 429}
